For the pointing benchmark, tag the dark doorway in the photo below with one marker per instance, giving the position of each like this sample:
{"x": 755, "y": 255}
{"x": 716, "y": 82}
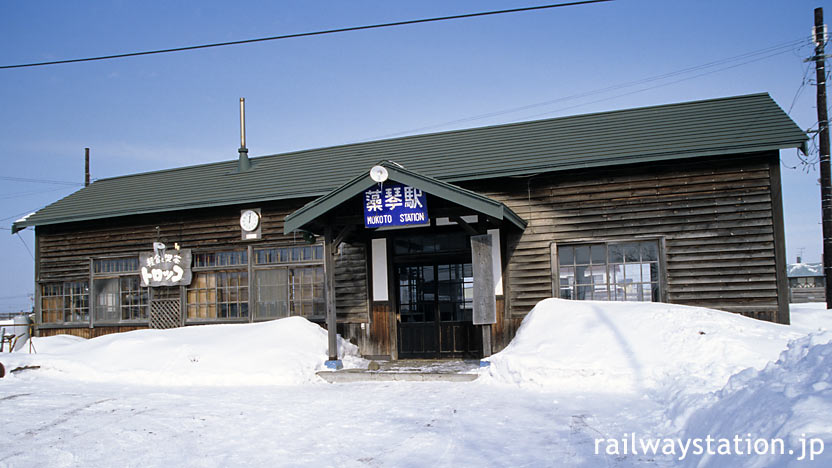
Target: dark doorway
{"x": 434, "y": 297}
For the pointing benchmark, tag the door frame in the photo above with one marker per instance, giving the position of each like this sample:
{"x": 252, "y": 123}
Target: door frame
{"x": 458, "y": 256}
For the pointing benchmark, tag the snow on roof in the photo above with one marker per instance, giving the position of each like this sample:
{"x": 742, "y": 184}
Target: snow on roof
{"x": 805, "y": 269}
{"x": 25, "y": 217}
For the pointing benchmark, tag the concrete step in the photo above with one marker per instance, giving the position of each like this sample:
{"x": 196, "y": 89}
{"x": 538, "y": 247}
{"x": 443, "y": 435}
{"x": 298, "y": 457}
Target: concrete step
{"x": 361, "y": 375}
{"x": 409, "y": 370}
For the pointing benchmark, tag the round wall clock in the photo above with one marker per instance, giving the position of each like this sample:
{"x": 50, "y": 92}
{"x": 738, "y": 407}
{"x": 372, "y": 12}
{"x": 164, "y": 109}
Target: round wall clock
{"x": 249, "y": 220}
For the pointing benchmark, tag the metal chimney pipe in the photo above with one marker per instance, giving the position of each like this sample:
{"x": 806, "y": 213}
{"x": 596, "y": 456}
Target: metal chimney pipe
{"x": 86, "y": 167}
{"x": 244, "y": 162}
{"x": 242, "y": 122}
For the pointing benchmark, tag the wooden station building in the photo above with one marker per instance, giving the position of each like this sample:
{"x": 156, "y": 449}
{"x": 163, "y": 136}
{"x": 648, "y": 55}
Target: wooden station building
{"x": 678, "y": 203}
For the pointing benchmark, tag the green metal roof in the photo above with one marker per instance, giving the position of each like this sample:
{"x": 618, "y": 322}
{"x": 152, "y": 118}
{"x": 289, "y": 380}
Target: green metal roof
{"x": 693, "y": 129}
{"x": 320, "y": 206}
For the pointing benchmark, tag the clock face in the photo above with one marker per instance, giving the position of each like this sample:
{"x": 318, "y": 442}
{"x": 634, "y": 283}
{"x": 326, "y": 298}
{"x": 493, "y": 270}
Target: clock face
{"x": 249, "y": 220}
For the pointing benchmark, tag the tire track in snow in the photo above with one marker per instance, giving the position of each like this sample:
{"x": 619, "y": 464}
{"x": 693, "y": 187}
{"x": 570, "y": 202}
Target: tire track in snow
{"x": 63, "y": 418}
{"x": 10, "y": 397}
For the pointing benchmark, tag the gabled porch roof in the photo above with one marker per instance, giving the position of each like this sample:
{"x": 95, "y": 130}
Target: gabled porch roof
{"x": 311, "y": 217}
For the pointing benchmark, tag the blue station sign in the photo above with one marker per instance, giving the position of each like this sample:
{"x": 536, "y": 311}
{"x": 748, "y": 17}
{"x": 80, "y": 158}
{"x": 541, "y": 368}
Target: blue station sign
{"x": 394, "y": 204}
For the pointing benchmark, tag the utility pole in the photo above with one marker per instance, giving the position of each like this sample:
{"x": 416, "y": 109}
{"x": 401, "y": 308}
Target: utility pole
{"x": 86, "y": 167}
{"x": 823, "y": 135}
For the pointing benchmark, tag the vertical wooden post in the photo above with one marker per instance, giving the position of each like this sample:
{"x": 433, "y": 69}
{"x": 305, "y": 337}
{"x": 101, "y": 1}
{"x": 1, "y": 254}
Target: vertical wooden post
{"x": 779, "y": 242}
{"x": 486, "y": 340}
{"x": 329, "y": 286}
{"x": 91, "y": 295}
{"x": 37, "y": 309}
{"x": 485, "y": 302}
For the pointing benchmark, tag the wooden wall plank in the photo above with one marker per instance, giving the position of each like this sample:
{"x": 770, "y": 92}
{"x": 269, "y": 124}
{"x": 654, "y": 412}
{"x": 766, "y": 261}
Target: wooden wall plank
{"x": 717, "y": 217}
{"x": 66, "y": 249}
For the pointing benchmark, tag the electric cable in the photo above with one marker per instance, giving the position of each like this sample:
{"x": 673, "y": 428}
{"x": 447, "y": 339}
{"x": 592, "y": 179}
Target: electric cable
{"x": 306, "y": 34}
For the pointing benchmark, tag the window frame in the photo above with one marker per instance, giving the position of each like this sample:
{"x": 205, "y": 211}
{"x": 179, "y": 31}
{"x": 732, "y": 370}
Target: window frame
{"x": 218, "y": 269}
{"x": 64, "y": 283}
{"x": 289, "y": 265}
{"x": 662, "y": 260}
{"x": 116, "y": 275}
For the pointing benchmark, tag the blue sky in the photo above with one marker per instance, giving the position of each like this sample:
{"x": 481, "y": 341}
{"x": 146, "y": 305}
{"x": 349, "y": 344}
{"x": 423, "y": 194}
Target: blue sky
{"x": 154, "y": 112}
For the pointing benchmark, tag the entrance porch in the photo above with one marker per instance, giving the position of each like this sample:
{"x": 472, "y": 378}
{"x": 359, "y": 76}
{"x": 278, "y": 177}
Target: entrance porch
{"x": 433, "y": 286}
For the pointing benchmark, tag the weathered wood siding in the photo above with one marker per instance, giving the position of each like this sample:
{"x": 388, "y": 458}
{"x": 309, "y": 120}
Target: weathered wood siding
{"x": 65, "y": 250}
{"x": 351, "y": 300}
{"x": 86, "y": 332}
{"x": 801, "y": 295}
{"x": 717, "y": 218}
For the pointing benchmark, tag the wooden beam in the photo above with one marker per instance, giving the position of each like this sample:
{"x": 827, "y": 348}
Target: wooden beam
{"x": 329, "y": 286}
{"x": 468, "y": 228}
{"x": 340, "y": 238}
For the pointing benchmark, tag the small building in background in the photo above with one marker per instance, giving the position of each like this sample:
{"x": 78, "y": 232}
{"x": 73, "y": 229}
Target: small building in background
{"x": 806, "y": 282}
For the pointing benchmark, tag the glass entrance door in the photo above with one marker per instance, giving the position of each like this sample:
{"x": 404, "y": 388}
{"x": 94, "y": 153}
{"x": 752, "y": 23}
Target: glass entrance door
{"x": 435, "y": 311}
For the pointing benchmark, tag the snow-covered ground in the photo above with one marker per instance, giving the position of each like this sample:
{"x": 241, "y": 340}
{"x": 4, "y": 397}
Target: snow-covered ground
{"x": 577, "y": 383}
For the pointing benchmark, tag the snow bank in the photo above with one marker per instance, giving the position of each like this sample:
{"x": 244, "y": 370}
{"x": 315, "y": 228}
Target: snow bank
{"x": 789, "y": 400}
{"x": 810, "y": 317}
{"x": 634, "y": 347}
{"x": 282, "y": 352}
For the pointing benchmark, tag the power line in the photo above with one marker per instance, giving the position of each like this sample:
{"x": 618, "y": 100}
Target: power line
{"x": 40, "y": 181}
{"x": 306, "y": 34}
{"x": 772, "y": 50}
{"x": 803, "y": 84}
{"x": 13, "y": 297}
{"x": 657, "y": 86}
{"x": 25, "y": 245}
{"x": 19, "y": 214}
{"x": 7, "y": 196}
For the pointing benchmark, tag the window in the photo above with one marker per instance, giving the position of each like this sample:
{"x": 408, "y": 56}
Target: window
{"x": 271, "y": 293}
{"x": 219, "y": 293}
{"x": 455, "y": 288}
{"x": 289, "y": 281}
{"x": 214, "y": 259}
{"x": 115, "y": 265}
{"x": 807, "y": 282}
{"x": 286, "y": 281}
{"x": 306, "y": 288}
{"x": 120, "y": 299}
{"x": 612, "y": 271}
{"x": 117, "y": 292}
{"x": 67, "y": 302}
{"x": 289, "y": 254}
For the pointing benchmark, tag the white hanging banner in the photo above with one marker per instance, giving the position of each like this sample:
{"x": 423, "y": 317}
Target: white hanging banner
{"x": 164, "y": 267}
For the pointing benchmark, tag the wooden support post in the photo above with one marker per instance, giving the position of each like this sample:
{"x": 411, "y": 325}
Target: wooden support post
{"x": 486, "y": 340}
{"x": 485, "y": 302}
{"x": 329, "y": 286}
